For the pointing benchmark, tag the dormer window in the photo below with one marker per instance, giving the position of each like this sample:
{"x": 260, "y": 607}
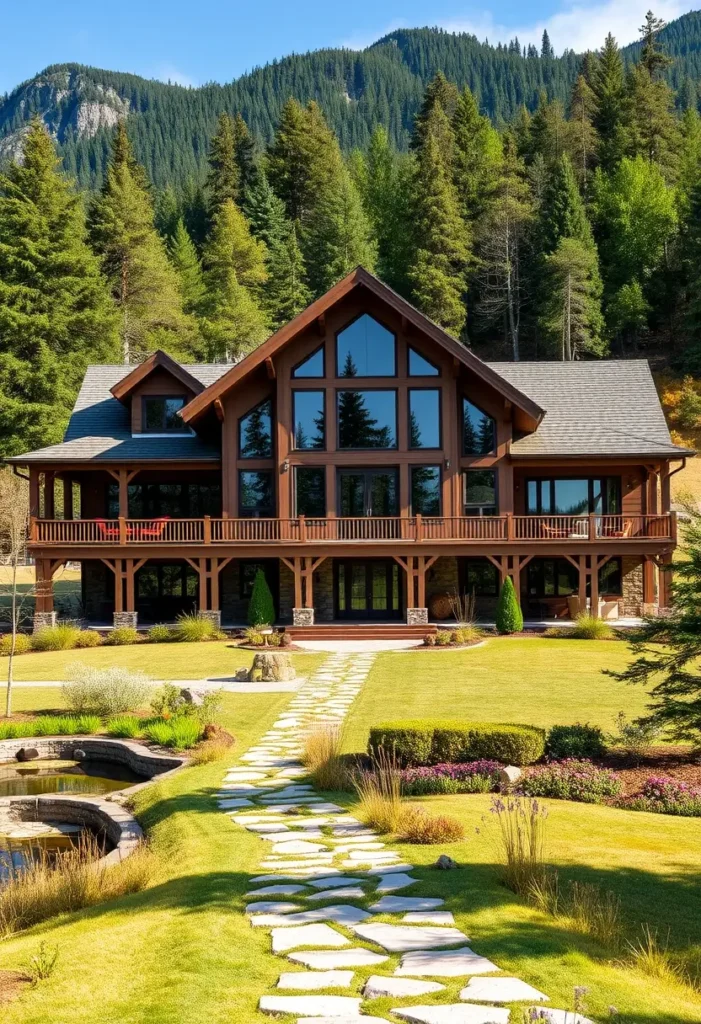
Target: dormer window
{"x": 160, "y": 414}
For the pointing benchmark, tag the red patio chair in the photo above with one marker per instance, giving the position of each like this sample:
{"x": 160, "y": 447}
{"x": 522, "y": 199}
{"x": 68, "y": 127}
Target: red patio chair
{"x": 105, "y": 531}
{"x": 154, "y": 531}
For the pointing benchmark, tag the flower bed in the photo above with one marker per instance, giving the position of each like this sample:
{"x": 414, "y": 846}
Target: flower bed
{"x": 571, "y": 780}
{"x": 662, "y": 795}
{"x": 474, "y": 777}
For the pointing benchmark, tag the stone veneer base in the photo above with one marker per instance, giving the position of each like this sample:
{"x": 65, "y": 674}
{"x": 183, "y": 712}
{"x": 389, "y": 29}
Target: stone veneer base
{"x": 302, "y": 616}
{"x": 417, "y": 616}
{"x": 122, "y": 619}
{"x": 42, "y": 620}
{"x": 211, "y": 616}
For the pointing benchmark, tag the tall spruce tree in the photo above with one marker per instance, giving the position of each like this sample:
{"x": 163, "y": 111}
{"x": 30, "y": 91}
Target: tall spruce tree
{"x": 609, "y": 87}
{"x": 571, "y": 317}
{"x": 476, "y": 157}
{"x": 224, "y": 177}
{"x": 337, "y": 236}
{"x": 582, "y": 137}
{"x": 442, "y": 94}
{"x": 652, "y": 127}
{"x": 385, "y": 185}
{"x": 56, "y": 315}
{"x": 562, "y": 212}
{"x": 186, "y": 261}
{"x": 143, "y": 282}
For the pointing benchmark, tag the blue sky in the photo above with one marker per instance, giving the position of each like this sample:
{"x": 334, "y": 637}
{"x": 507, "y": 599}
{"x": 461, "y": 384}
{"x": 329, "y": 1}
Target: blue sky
{"x": 215, "y": 40}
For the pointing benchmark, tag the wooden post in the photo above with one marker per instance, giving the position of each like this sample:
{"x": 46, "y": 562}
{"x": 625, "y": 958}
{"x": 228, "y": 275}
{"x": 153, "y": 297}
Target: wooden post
{"x": 122, "y": 532}
{"x": 214, "y": 576}
{"x": 118, "y": 585}
{"x": 44, "y": 600}
{"x": 648, "y": 580}
{"x": 303, "y": 532}
{"x": 207, "y": 530}
{"x": 129, "y": 582}
{"x": 510, "y": 526}
{"x": 49, "y": 504}
{"x": 421, "y": 579}
{"x": 204, "y": 597}
{"x": 594, "y": 574}
{"x": 419, "y": 534}
{"x": 592, "y": 527}
{"x": 123, "y": 495}
{"x": 34, "y": 504}
{"x": 309, "y": 589}
{"x": 665, "y": 490}
{"x": 582, "y": 583}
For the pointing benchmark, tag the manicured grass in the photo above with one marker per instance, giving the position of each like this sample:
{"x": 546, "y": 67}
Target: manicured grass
{"x": 530, "y": 680}
{"x": 160, "y": 661}
{"x": 66, "y": 589}
{"x": 181, "y": 950}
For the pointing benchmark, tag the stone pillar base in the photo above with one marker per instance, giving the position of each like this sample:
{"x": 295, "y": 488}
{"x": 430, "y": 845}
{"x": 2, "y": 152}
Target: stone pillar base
{"x": 211, "y": 616}
{"x": 42, "y": 620}
{"x": 417, "y": 616}
{"x": 122, "y": 619}
{"x": 302, "y": 616}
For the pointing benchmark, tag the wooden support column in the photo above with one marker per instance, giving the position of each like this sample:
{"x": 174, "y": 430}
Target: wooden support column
{"x": 583, "y": 573}
{"x": 67, "y": 497}
{"x": 49, "y": 503}
{"x": 649, "y": 580}
{"x": 594, "y": 586}
{"x": 123, "y": 477}
{"x": 118, "y": 585}
{"x": 295, "y": 567}
{"x": 665, "y": 489}
{"x": 665, "y": 582}
{"x": 44, "y": 600}
{"x": 34, "y": 491}
{"x": 408, "y": 565}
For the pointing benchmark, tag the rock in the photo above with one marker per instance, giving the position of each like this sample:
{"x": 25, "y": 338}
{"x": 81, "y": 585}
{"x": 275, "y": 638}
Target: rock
{"x": 445, "y": 863}
{"x": 509, "y": 777}
{"x": 397, "y": 904}
{"x": 454, "y": 1014}
{"x": 398, "y": 988}
{"x": 330, "y": 1006}
{"x": 192, "y": 696}
{"x": 272, "y": 667}
{"x": 445, "y": 963}
{"x": 241, "y": 675}
{"x": 391, "y": 883}
{"x": 500, "y": 990}
{"x": 397, "y": 938}
{"x": 331, "y": 959}
{"x": 27, "y": 754}
{"x": 79, "y": 754}
{"x": 306, "y": 935}
{"x": 315, "y": 979}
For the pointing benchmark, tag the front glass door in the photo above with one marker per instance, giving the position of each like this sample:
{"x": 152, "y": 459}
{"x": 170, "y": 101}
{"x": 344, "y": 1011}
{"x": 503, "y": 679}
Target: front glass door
{"x": 368, "y": 492}
{"x": 367, "y": 589}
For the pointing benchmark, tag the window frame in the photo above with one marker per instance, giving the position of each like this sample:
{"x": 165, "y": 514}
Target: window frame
{"x": 464, "y": 575}
{"x": 432, "y": 447}
{"x": 539, "y": 563}
{"x": 432, "y": 465}
{"x": 249, "y": 458}
{"x": 295, "y": 490}
{"x": 392, "y": 448}
{"x": 317, "y": 391}
{"x": 412, "y": 349}
{"x": 365, "y": 376}
{"x": 163, "y": 431}
{"x": 320, "y": 348}
{"x": 476, "y": 455}
{"x": 552, "y": 480}
{"x": 271, "y": 514}
{"x": 465, "y": 505}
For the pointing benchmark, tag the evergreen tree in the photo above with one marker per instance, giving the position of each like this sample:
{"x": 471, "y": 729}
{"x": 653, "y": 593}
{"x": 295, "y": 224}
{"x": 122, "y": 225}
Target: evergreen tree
{"x": 224, "y": 178}
{"x": 384, "y": 182}
{"x": 261, "y": 607}
{"x": 244, "y": 156}
{"x": 303, "y": 161}
{"x": 571, "y": 317}
{"x": 509, "y": 617}
{"x": 337, "y": 237}
{"x": 477, "y": 153}
{"x": 549, "y": 131}
{"x": 609, "y": 88}
{"x": 286, "y": 293}
{"x": 143, "y": 282}
{"x": 55, "y": 312}
{"x": 652, "y": 129}
{"x": 167, "y": 212}
{"x": 184, "y": 258}
{"x": 195, "y": 212}
{"x": 546, "y": 49}
{"x": 562, "y": 213}
{"x": 439, "y": 267}
{"x": 357, "y": 427}
{"x": 441, "y": 94}
{"x": 582, "y": 138}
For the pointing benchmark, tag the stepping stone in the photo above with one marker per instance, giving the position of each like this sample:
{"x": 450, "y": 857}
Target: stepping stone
{"x": 330, "y": 1006}
{"x": 339, "y": 914}
{"x": 278, "y": 837}
{"x": 398, "y": 988}
{"x": 278, "y": 890}
{"x": 391, "y": 883}
{"x": 549, "y": 1016}
{"x": 241, "y": 801}
{"x": 306, "y": 935}
{"x": 322, "y": 960}
{"x": 454, "y": 1014}
{"x": 358, "y": 845}
{"x": 500, "y": 990}
{"x": 333, "y": 883}
{"x": 448, "y": 963}
{"x": 268, "y": 827}
{"x": 286, "y": 865}
{"x": 298, "y": 846}
{"x": 293, "y": 877}
{"x": 428, "y": 917}
{"x": 372, "y": 858}
{"x": 351, "y": 892}
{"x": 397, "y": 938}
{"x": 395, "y": 904}
{"x": 244, "y": 776}
{"x": 271, "y": 908}
{"x": 341, "y": 1020}
{"x": 327, "y": 808}
{"x": 316, "y": 979}
{"x": 390, "y": 869}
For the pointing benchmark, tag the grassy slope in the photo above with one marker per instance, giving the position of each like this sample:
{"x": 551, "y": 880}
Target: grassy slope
{"x": 180, "y": 951}
{"x": 160, "y": 661}
{"x": 539, "y": 682}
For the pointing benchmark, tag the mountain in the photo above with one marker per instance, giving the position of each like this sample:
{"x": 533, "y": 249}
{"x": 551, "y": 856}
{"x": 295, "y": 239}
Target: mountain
{"x": 171, "y": 125}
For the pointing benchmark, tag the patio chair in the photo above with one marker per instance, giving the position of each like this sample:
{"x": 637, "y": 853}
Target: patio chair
{"x": 105, "y": 531}
{"x": 153, "y": 531}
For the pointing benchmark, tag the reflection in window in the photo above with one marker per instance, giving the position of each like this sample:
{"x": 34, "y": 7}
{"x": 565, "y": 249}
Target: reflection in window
{"x": 478, "y": 430}
{"x": 365, "y": 349}
{"x": 310, "y": 491}
{"x": 426, "y": 490}
{"x": 256, "y": 433}
{"x": 481, "y": 577}
{"x": 309, "y": 421}
{"x": 160, "y": 416}
{"x": 312, "y": 366}
{"x": 424, "y": 418}
{"x": 480, "y": 492}
{"x": 367, "y": 419}
{"x": 420, "y": 367}
{"x": 611, "y": 578}
{"x": 552, "y": 577}
{"x": 565, "y": 497}
{"x": 178, "y": 500}
{"x": 256, "y": 494}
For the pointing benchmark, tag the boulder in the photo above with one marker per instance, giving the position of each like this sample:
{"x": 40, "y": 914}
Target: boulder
{"x": 192, "y": 696}
{"x": 271, "y": 667}
{"x": 445, "y": 863}
{"x": 27, "y": 754}
{"x": 509, "y": 778}
{"x": 79, "y": 754}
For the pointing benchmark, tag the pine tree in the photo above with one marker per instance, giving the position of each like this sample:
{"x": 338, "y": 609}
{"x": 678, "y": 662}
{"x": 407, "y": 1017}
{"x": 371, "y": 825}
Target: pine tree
{"x": 477, "y": 153}
{"x": 548, "y": 130}
{"x": 546, "y": 50}
{"x": 562, "y": 212}
{"x": 144, "y": 284}
{"x": 338, "y": 237}
{"x": 384, "y": 184}
{"x": 652, "y": 129}
{"x": 439, "y": 267}
{"x": 286, "y": 293}
{"x": 231, "y": 318}
{"x": 55, "y": 312}
{"x": 184, "y": 258}
{"x": 582, "y": 138}
{"x": 441, "y": 94}
{"x": 609, "y": 88}
{"x": 224, "y": 177}
{"x": 244, "y": 156}
{"x": 509, "y": 617}
{"x": 571, "y": 317}
{"x": 167, "y": 212}
{"x": 303, "y": 160}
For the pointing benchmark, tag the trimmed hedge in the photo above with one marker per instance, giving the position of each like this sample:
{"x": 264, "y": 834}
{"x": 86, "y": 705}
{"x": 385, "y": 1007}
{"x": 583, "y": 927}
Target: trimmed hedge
{"x": 440, "y": 742}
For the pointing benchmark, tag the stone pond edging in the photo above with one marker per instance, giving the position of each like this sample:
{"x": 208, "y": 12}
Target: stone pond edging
{"x": 139, "y": 758}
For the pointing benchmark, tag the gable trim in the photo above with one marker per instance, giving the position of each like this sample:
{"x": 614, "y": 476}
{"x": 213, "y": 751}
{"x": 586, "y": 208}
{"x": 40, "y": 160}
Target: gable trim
{"x": 158, "y": 360}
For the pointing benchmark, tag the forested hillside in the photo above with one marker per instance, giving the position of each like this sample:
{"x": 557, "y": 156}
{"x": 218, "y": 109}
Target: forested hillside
{"x": 171, "y": 126}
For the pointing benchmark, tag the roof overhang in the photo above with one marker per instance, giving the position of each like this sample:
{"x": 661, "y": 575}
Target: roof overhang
{"x": 361, "y": 278}
{"x": 159, "y": 360}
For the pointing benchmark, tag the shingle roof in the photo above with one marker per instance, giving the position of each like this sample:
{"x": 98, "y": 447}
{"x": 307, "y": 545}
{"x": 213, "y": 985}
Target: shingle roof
{"x": 608, "y": 408}
{"x": 99, "y": 429}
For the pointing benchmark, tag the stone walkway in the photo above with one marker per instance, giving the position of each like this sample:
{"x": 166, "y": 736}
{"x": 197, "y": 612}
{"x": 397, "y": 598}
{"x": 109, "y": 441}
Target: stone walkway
{"x": 333, "y": 898}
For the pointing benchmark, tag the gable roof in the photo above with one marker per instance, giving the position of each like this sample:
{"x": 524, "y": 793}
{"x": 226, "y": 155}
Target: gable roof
{"x": 361, "y": 278}
{"x": 99, "y": 430}
{"x": 601, "y": 409}
{"x": 157, "y": 360}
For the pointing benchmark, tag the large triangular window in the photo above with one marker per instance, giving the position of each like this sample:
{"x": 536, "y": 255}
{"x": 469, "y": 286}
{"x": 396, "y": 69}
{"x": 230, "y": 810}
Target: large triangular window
{"x": 366, "y": 349}
{"x": 479, "y": 431}
{"x": 256, "y": 432}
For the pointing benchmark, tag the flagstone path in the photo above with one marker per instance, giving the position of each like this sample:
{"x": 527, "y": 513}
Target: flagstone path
{"x": 315, "y": 858}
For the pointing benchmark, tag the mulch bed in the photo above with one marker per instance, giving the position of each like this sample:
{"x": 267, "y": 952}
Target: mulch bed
{"x": 11, "y": 985}
{"x": 672, "y": 762}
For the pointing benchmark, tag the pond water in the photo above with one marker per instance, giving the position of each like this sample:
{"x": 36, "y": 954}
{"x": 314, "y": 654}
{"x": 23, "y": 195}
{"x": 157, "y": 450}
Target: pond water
{"x": 35, "y": 778}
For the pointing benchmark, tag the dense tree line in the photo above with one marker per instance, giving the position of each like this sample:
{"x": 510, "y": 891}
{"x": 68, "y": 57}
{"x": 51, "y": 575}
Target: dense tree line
{"x": 572, "y": 232}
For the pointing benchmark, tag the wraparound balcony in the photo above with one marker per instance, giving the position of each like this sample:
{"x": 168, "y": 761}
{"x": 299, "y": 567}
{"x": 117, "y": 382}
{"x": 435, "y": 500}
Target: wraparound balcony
{"x": 605, "y": 529}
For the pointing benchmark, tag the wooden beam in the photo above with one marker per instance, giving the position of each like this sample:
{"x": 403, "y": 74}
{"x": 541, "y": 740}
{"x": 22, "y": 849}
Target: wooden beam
{"x": 270, "y": 368}
{"x": 219, "y": 410}
{"x": 321, "y": 324}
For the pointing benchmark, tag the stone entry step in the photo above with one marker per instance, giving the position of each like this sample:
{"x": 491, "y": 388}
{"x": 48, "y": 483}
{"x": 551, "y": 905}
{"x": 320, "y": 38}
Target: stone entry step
{"x": 366, "y": 631}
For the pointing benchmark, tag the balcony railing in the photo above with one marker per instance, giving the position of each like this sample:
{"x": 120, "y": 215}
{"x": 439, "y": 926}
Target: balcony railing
{"x": 613, "y": 529}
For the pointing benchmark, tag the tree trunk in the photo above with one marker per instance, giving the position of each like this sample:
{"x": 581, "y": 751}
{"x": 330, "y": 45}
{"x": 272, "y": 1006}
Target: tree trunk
{"x": 13, "y": 641}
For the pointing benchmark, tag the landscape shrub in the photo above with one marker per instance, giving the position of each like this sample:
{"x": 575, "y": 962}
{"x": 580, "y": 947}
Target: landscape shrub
{"x": 55, "y": 638}
{"x": 416, "y": 825}
{"x": 125, "y": 727}
{"x": 379, "y": 791}
{"x": 195, "y": 629}
{"x": 635, "y": 737}
{"x": 122, "y": 636}
{"x": 586, "y": 627}
{"x": 160, "y": 733}
{"x": 571, "y": 780}
{"x": 87, "y": 638}
{"x": 211, "y": 750}
{"x": 440, "y": 742}
{"x": 261, "y": 608}
{"x": 444, "y": 637}
{"x": 473, "y": 777}
{"x": 105, "y": 691}
{"x": 468, "y": 634}
{"x": 23, "y": 643}
{"x": 509, "y": 617}
{"x": 521, "y": 833}
{"x": 575, "y": 741}
{"x": 253, "y": 636}
{"x": 322, "y": 756}
{"x": 15, "y": 730}
{"x": 180, "y": 733}
{"x": 160, "y": 633}
{"x": 662, "y": 795}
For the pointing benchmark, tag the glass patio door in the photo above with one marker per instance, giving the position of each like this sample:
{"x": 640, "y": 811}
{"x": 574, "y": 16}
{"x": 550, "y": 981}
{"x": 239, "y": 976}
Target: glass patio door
{"x": 367, "y": 589}
{"x": 368, "y": 492}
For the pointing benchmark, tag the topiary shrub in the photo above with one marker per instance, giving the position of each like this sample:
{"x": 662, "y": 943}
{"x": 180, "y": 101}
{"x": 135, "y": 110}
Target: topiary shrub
{"x": 122, "y": 636}
{"x": 55, "y": 638}
{"x": 23, "y": 643}
{"x": 439, "y": 742}
{"x": 88, "y": 638}
{"x": 509, "y": 617}
{"x": 261, "y": 608}
{"x": 575, "y": 741}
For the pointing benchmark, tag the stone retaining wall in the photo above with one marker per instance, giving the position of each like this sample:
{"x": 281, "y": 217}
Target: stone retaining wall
{"x": 136, "y": 756}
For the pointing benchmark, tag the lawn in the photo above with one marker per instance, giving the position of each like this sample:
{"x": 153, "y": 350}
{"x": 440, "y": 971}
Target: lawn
{"x": 181, "y": 950}
{"x": 161, "y": 661}
{"x": 531, "y": 680}
{"x": 66, "y": 590}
